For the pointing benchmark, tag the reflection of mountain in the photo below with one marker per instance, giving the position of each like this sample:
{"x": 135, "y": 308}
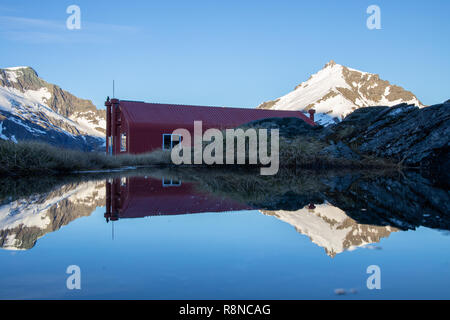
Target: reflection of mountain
{"x": 404, "y": 200}
{"x": 351, "y": 209}
{"x": 329, "y": 227}
{"x": 24, "y": 221}
{"x": 137, "y": 197}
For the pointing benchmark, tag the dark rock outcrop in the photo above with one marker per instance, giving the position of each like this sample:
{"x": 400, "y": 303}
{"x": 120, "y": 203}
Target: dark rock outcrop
{"x": 403, "y": 133}
{"x": 288, "y": 127}
{"x": 340, "y": 150}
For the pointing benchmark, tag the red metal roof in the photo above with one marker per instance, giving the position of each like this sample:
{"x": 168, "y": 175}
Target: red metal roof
{"x": 158, "y": 113}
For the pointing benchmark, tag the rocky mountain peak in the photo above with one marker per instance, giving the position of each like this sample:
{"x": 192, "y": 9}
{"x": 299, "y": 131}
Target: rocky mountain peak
{"x": 330, "y": 63}
{"x": 337, "y": 90}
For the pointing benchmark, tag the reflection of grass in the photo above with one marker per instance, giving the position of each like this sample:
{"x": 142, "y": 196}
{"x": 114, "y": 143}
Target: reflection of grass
{"x": 287, "y": 187}
{"x": 34, "y": 157}
{"x": 13, "y": 188}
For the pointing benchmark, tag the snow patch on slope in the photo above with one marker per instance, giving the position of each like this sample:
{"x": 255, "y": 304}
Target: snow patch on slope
{"x": 319, "y": 85}
{"x": 31, "y": 105}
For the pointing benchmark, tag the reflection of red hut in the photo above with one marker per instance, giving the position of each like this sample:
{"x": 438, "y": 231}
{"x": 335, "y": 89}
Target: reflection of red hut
{"x": 139, "y": 197}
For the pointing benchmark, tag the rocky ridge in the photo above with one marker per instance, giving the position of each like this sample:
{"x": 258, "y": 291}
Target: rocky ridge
{"x": 33, "y": 109}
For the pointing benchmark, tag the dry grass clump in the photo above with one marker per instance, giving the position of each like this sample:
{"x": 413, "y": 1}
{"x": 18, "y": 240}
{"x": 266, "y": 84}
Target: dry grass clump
{"x": 305, "y": 152}
{"x": 36, "y": 157}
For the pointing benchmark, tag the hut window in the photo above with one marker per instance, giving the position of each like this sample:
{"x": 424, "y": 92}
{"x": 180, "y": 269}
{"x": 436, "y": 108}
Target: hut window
{"x": 123, "y": 142}
{"x": 170, "y": 141}
{"x": 175, "y": 140}
{"x": 167, "y": 141}
{"x": 171, "y": 182}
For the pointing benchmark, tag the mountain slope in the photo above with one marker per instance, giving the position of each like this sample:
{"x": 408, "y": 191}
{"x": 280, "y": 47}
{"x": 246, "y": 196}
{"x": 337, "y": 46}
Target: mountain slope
{"x": 33, "y": 109}
{"x": 336, "y": 90}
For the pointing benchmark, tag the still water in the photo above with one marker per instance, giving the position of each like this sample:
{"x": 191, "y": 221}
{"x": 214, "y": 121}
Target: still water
{"x": 194, "y": 235}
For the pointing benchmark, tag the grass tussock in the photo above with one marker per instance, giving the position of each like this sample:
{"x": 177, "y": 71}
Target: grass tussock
{"x": 306, "y": 152}
{"x": 35, "y": 157}
{"x": 28, "y": 158}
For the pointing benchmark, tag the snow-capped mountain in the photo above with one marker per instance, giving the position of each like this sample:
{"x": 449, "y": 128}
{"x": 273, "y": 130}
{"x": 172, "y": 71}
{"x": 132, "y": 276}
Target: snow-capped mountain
{"x": 330, "y": 228}
{"x": 336, "y": 90}
{"x": 33, "y": 109}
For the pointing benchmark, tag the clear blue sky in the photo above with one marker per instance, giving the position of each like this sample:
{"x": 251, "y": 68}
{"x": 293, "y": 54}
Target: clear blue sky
{"x": 230, "y": 53}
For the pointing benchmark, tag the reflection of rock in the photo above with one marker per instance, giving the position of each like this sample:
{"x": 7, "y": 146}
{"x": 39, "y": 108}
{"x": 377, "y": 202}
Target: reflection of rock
{"x": 329, "y": 227}
{"x": 403, "y": 202}
{"x": 24, "y": 221}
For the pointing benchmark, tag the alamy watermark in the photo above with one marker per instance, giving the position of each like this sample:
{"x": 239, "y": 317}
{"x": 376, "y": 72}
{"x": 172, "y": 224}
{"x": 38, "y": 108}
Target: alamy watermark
{"x": 74, "y": 280}
{"x": 373, "y": 281}
{"x": 374, "y": 20}
{"x": 239, "y": 146}
{"x": 73, "y": 22}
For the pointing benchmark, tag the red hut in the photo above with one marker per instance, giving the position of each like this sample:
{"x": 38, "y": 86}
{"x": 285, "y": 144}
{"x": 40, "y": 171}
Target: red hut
{"x": 139, "y": 127}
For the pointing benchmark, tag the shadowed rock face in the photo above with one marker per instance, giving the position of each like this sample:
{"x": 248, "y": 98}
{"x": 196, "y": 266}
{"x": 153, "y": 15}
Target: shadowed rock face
{"x": 50, "y": 131}
{"x": 60, "y": 101}
{"x": 417, "y": 137}
{"x": 406, "y": 134}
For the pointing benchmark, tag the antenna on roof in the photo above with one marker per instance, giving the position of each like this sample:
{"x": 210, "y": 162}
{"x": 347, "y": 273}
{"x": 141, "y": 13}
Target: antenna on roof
{"x": 113, "y": 90}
